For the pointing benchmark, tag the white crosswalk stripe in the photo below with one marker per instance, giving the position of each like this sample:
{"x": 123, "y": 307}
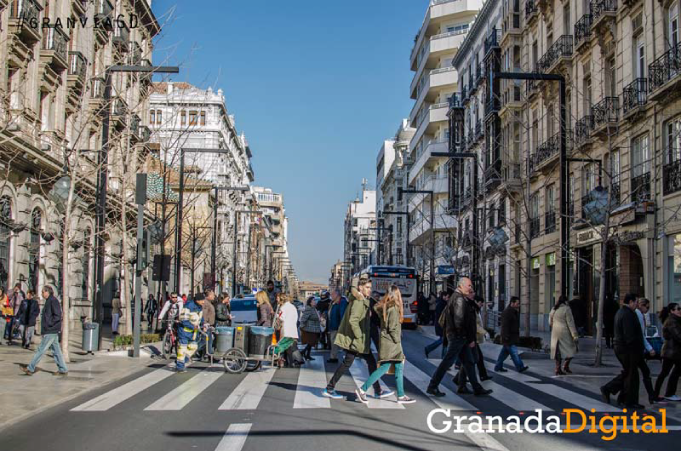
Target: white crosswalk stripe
{"x": 247, "y": 395}
{"x": 421, "y": 380}
{"x": 311, "y": 382}
{"x": 235, "y": 437}
{"x": 360, "y": 373}
{"x": 185, "y": 393}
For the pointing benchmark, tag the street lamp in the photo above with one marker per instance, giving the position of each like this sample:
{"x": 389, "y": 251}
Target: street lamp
{"x": 401, "y": 191}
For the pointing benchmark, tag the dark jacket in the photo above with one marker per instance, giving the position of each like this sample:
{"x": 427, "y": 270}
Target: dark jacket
{"x": 510, "y": 326}
{"x": 460, "y": 321}
{"x": 439, "y": 308}
{"x": 671, "y": 332}
{"x": 265, "y": 315}
{"x": 28, "y": 312}
{"x": 628, "y": 333}
{"x": 222, "y": 312}
{"x": 51, "y": 317}
{"x": 336, "y": 314}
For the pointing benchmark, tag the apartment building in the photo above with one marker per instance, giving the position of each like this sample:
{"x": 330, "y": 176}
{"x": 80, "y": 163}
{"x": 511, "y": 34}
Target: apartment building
{"x": 442, "y": 32}
{"x": 51, "y": 117}
{"x": 620, "y": 63}
{"x": 276, "y": 223}
{"x": 359, "y": 239}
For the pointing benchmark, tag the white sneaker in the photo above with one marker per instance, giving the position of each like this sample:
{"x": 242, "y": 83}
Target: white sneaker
{"x": 362, "y": 396}
{"x": 384, "y": 394}
{"x": 405, "y": 400}
{"x": 672, "y": 398}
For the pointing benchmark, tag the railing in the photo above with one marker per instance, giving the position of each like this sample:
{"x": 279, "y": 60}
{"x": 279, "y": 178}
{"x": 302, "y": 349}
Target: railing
{"x": 615, "y": 193}
{"x": 56, "y": 40}
{"x": 600, "y": 7}
{"x": 492, "y": 106}
{"x": 549, "y": 222}
{"x": 448, "y": 34}
{"x": 547, "y": 150}
{"x": 635, "y": 94}
{"x": 464, "y": 94}
{"x": 665, "y": 68}
{"x": 530, "y": 9}
{"x": 583, "y": 29}
{"x": 583, "y": 129}
{"x": 671, "y": 177}
{"x": 119, "y": 107}
{"x": 26, "y": 10}
{"x": 103, "y": 10}
{"x": 606, "y": 111}
{"x": 122, "y": 36}
{"x": 135, "y": 124}
{"x": 534, "y": 228}
{"x": 97, "y": 88}
{"x": 640, "y": 187}
{"x": 454, "y": 101}
{"x": 492, "y": 40}
{"x": 77, "y": 64}
{"x": 562, "y": 48}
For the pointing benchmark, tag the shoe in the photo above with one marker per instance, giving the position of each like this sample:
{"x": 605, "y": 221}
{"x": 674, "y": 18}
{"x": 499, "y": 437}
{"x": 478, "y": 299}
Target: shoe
{"x": 59, "y": 373}
{"x": 501, "y": 370}
{"x": 384, "y": 394}
{"x": 653, "y": 400}
{"x": 486, "y": 378}
{"x": 483, "y": 392}
{"x": 362, "y": 396}
{"x": 331, "y": 360}
{"x": 331, "y": 394}
{"x": 405, "y": 400}
{"x": 180, "y": 370}
{"x": 672, "y": 398}
{"x": 464, "y": 391}
{"x": 25, "y": 369}
{"x": 435, "y": 392}
{"x": 605, "y": 394}
{"x": 523, "y": 369}
{"x": 425, "y": 351}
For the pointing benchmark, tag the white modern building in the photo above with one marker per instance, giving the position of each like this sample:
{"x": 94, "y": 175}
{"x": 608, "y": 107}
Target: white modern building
{"x": 360, "y": 218}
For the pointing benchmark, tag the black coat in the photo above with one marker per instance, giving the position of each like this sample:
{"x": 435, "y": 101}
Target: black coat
{"x": 461, "y": 318}
{"x": 671, "y": 331}
{"x": 439, "y": 307}
{"x": 628, "y": 333}
{"x": 510, "y": 326}
{"x": 28, "y": 312}
{"x": 51, "y": 318}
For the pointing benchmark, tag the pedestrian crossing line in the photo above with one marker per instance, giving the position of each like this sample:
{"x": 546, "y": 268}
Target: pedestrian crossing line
{"x": 247, "y": 395}
{"x": 311, "y": 382}
{"x": 581, "y": 401}
{"x": 181, "y": 396}
{"x": 421, "y": 381}
{"x": 360, "y": 373}
{"x": 235, "y": 437}
{"x": 124, "y": 392}
{"x": 514, "y": 400}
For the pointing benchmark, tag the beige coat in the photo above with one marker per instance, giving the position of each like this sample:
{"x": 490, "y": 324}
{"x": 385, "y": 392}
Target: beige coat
{"x": 563, "y": 332}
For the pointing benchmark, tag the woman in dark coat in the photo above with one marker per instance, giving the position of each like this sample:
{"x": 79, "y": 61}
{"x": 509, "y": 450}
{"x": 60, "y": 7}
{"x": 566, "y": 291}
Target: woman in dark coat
{"x": 27, "y": 315}
{"x": 310, "y": 327}
{"x": 670, "y": 316}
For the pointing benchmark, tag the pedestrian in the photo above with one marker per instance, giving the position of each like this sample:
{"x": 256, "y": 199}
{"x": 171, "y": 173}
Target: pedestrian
{"x": 510, "y": 336}
{"x": 6, "y": 313}
{"x": 272, "y": 294}
{"x": 375, "y": 321}
{"x": 578, "y": 308}
{"x": 564, "y": 335}
{"x": 288, "y": 319}
{"x": 354, "y": 337}
{"x": 642, "y": 308}
{"x": 439, "y": 308}
{"x": 223, "y": 312}
{"x": 481, "y": 336}
{"x": 310, "y": 327}
{"x": 265, "y": 310}
{"x": 670, "y": 317}
{"x": 28, "y": 314}
{"x": 50, "y": 327}
{"x": 323, "y": 309}
{"x": 422, "y": 308}
{"x": 150, "y": 310}
{"x": 116, "y": 314}
{"x": 432, "y": 305}
{"x": 629, "y": 350}
{"x": 459, "y": 326}
{"x": 609, "y": 312}
{"x": 16, "y": 298}
{"x": 390, "y": 310}
{"x": 474, "y": 329}
{"x": 191, "y": 321}
{"x": 336, "y": 313}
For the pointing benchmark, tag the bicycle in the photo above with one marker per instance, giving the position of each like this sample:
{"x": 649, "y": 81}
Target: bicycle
{"x": 169, "y": 340}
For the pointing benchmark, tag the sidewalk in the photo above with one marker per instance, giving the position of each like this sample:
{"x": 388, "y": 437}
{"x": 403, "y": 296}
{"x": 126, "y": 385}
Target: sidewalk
{"x": 24, "y": 396}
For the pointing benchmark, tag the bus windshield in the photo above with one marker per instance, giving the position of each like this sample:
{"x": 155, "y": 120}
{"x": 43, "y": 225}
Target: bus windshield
{"x": 384, "y": 276}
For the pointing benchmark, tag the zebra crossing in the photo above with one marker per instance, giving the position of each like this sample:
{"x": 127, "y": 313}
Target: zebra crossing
{"x": 312, "y": 378}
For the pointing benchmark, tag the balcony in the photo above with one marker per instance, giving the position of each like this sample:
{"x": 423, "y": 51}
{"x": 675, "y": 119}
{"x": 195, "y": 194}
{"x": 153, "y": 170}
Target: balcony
{"x": 492, "y": 41}
{"x": 671, "y": 177}
{"x": 455, "y": 102}
{"x": 54, "y": 48}
{"x": 426, "y": 159}
{"x": 22, "y": 14}
{"x": 511, "y": 177}
{"x": 118, "y": 112}
{"x": 583, "y": 129}
{"x": 145, "y": 133}
{"x": 492, "y": 176}
{"x": 606, "y": 113}
{"x": 121, "y": 39}
{"x": 429, "y": 118}
{"x": 135, "y": 126}
{"x": 103, "y": 16}
{"x": 531, "y": 11}
{"x": 549, "y": 222}
{"x": 534, "y": 228}
{"x": 634, "y": 96}
{"x": 97, "y": 88}
{"x": 559, "y": 52}
{"x": 640, "y": 188}
{"x": 664, "y": 80}
{"x": 603, "y": 11}
{"x": 510, "y": 27}
{"x": 77, "y": 66}
{"x": 547, "y": 151}
{"x": 492, "y": 106}
{"x": 583, "y": 31}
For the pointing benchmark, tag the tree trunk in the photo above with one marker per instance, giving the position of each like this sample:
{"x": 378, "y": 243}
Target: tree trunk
{"x": 66, "y": 301}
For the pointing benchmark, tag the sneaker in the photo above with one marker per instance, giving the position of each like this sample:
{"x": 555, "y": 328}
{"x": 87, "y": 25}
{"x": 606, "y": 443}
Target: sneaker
{"x": 501, "y": 370}
{"x": 331, "y": 394}
{"x": 405, "y": 400}
{"x": 59, "y": 373}
{"x": 435, "y": 392}
{"x": 672, "y": 398}
{"x": 523, "y": 369}
{"x": 384, "y": 394}
{"x": 25, "y": 369}
{"x": 362, "y": 396}
{"x": 331, "y": 360}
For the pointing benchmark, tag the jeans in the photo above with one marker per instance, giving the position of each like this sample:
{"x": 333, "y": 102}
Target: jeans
{"x": 399, "y": 377}
{"x": 347, "y": 363}
{"x": 334, "y": 347}
{"x": 431, "y": 347}
{"x": 3, "y": 324}
{"x": 503, "y": 355}
{"x": 10, "y": 329}
{"x": 49, "y": 341}
{"x": 667, "y": 365}
{"x": 27, "y": 335}
{"x": 455, "y": 348}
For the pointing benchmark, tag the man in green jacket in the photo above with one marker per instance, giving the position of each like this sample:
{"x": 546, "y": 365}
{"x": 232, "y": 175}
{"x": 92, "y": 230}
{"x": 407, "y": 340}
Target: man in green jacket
{"x": 354, "y": 336}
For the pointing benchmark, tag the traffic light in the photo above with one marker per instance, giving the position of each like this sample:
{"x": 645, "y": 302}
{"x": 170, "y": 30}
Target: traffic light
{"x": 161, "y": 268}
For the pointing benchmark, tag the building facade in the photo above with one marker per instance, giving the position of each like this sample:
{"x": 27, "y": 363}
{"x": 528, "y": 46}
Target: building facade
{"x": 359, "y": 239}
{"x": 275, "y": 250}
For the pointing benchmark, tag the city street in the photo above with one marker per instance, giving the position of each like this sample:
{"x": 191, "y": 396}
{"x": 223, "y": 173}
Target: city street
{"x": 208, "y": 409}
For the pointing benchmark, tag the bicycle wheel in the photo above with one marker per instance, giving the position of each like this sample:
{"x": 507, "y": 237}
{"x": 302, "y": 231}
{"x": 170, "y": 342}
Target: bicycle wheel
{"x": 234, "y": 361}
{"x": 167, "y": 346}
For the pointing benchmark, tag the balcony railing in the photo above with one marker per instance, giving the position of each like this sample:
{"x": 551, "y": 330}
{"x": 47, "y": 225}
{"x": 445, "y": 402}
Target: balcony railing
{"x": 55, "y": 39}
{"x": 119, "y": 107}
{"x": 665, "y": 68}
{"x": 122, "y": 37}
{"x": 562, "y": 48}
{"x": 671, "y": 177}
{"x": 583, "y": 129}
{"x": 640, "y": 187}
{"x": 492, "y": 106}
{"x": 26, "y": 10}
{"x": 583, "y": 29}
{"x": 635, "y": 95}
{"x": 606, "y": 111}
{"x": 549, "y": 222}
{"x": 547, "y": 150}
{"x": 479, "y": 74}
{"x": 97, "y": 88}
{"x": 530, "y": 9}
{"x": 616, "y": 192}
{"x": 599, "y": 8}
{"x": 77, "y": 64}
{"x": 103, "y": 10}
{"x": 454, "y": 101}
{"x": 492, "y": 40}
{"x": 534, "y": 228}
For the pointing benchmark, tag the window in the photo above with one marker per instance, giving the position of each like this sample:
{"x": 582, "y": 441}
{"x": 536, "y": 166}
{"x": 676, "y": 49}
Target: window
{"x": 193, "y": 118}
{"x": 203, "y": 118}
{"x": 34, "y": 250}
{"x": 639, "y": 57}
{"x": 673, "y": 141}
{"x": 152, "y": 117}
{"x": 587, "y": 91}
{"x": 159, "y": 117}
{"x": 491, "y": 216}
{"x": 5, "y": 239}
{"x": 502, "y": 212}
{"x": 183, "y": 117}
{"x": 567, "y": 29}
{"x": 640, "y": 156}
{"x": 534, "y": 206}
{"x": 615, "y": 166}
{"x": 611, "y": 77}
{"x": 673, "y": 21}
{"x": 588, "y": 178}
{"x": 550, "y": 198}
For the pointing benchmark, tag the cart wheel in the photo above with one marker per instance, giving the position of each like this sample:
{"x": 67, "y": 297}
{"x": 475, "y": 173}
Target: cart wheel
{"x": 253, "y": 365}
{"x": 234, "y": 361}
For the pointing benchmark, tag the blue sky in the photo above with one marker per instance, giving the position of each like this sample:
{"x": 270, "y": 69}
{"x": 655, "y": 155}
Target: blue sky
{"x": 317, "y": 86}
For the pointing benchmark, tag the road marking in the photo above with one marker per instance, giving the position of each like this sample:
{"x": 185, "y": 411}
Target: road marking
{"x": 514, "y": 400}
{"x": 421, "y": 380}
{"x": 311, "y": 382}
{"x": 124, "y": 392}
{"x": 360, "y": 373}
{"x": 185, "y": 393}
{"x": 235, "y": 437}
{"x": 584, "y": 402}
{"x": 247, "y": 395}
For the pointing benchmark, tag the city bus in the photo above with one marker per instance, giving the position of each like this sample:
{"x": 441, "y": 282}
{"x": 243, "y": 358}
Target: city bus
{"x": 406, "y": 279}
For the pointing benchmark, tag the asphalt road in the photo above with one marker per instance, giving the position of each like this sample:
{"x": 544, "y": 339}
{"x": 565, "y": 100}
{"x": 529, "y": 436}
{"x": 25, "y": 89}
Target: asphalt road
{"x": 207, "y": 409}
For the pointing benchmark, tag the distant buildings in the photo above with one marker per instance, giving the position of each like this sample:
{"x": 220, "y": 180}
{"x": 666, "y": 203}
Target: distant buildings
{"x": 359, "y": 232}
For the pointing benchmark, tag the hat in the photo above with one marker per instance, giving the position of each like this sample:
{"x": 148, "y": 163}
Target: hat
{"x": 199, "y": 297}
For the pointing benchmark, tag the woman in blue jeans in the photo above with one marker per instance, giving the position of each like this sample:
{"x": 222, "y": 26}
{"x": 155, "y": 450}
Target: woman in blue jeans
{"x": 390, "y": 311}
